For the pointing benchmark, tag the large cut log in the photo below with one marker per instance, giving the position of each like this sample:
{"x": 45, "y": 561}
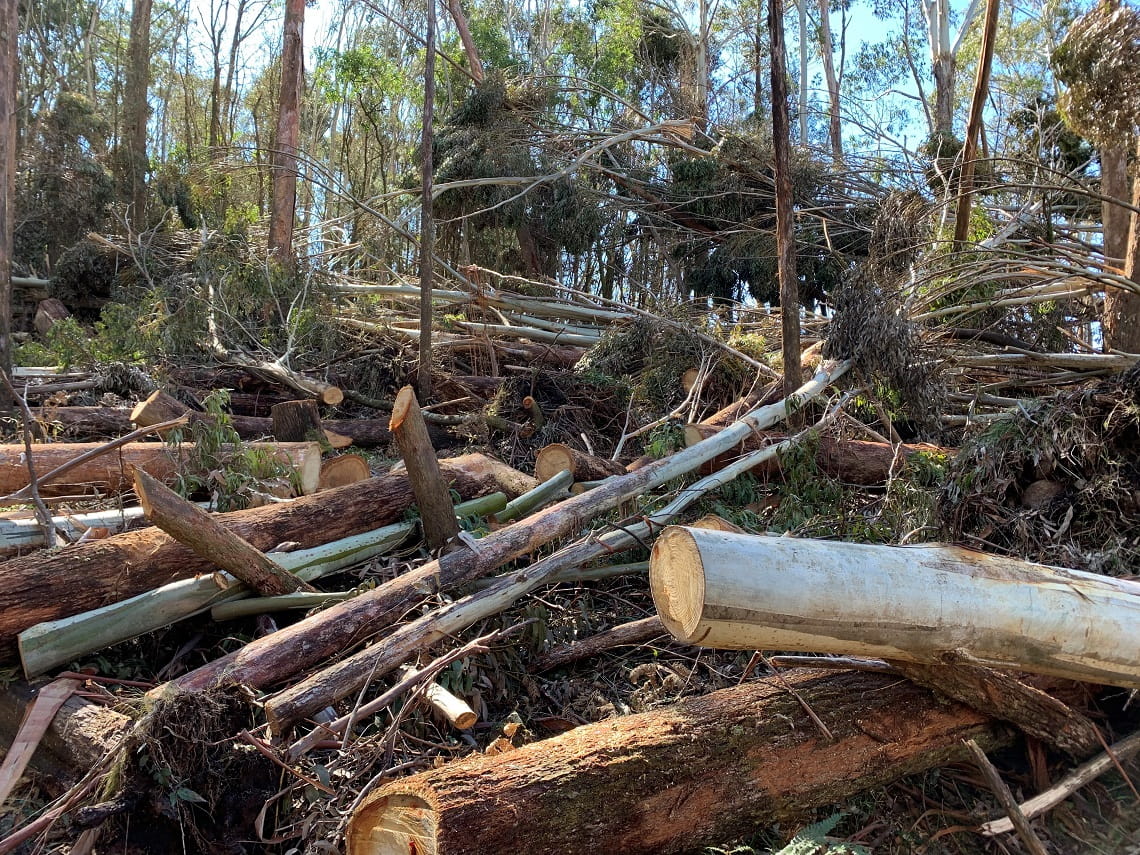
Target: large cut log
{"x": 675, "y": 779}
{"x": 283, "y": 654}
{"x": 584, "y": 467}
{"x": 933, "y": 604}
{"x": 47, "y": 586}
{"x": 850, "y": 460}
{"x": 113, "y": 471}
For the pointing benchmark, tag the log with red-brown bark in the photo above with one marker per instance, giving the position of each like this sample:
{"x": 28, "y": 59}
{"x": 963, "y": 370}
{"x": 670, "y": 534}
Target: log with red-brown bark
{"x": 47, "y": 586}
{"x": 113, "y": 471}
{"x": 675, "y": 779}
{"x": 851, "y": 460}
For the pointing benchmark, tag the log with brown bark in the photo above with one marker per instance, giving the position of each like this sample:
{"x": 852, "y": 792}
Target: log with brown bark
{"x": 850, "y": 460}
{"x": 437, "y": 515}
{"x": 112, "y": 471}
{"x": 48, "y": 586}
{"x": 79, "y": 736}
{"x": 83, "y": 422}
{"x": 582, "y": 466}
{"x": 295, "y": 421}
{"x": 622, "y": 635}
{"x": 675, "y": 779}
{"x": 189, "y": 524}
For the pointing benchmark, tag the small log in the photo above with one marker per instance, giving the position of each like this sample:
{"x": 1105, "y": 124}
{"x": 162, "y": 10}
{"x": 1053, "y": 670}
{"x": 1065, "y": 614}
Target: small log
{"x": 584, "y": 467}
{"x": 296, "y": 421}
{"x": 939, "y": 604}
{"x": 189, "y": 524}
{"x": 277, "y": 373}
{"x": 343, "y": 470}
{"x": 456, "y": 711}
{"x": 48, "y": 586}
{"x": 1004, "y": 697}
{"x": 622, "y": 635}
{"x": 112, "y": 472}
{"x": 526, "y": 503}
{"x": 670, "y": 780}
{"x": 689, "y": 379}
{"x": 157, "y": 407}
{"x": 436, "y": 511}
{"x": 850, "y": 460}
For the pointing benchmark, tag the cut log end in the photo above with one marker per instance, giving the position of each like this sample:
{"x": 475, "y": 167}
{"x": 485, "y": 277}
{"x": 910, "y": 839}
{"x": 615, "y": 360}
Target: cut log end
{"x": 344, "y": 470}
{"x": 677, "y": 583}
{"x": 405, "y": 398}
{"x": 332, "y": 395}
{"x": 395, "y": 825}
{"x": 551, "y": 460}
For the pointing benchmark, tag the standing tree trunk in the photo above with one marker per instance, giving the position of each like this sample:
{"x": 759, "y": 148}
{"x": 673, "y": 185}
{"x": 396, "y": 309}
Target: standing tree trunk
{"x": 288, "y": 134}
{"x": 1121, "y": 308}
{"x": 136, "y": 109}
{"x": 802, "y": 105}
{"x": 473, "y": 62}
{"x": 786, "y": 249}
{"x": 9, "y": 26}
{"x": 427, "y": 224}
{"x": 974, "y": 123}
{"x": 826, "y": 47}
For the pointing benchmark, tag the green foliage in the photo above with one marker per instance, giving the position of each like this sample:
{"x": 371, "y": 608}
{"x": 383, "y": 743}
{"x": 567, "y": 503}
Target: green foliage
{"x": 67, "y": 190}
{"x": 814, "y": 840}
{"x": 219, "y": 465}
{"x": 1099, "y": 61}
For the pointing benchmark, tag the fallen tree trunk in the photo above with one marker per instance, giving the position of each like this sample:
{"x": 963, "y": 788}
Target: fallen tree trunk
{"x": 937, "y": 604}
{"x": 850, "y": 460}
{"x": 362, "y": 432}
{"x": 84, "y": 422}
{"x": 212, "y": 541}
{"x": 47, "y": 586}
{"x": 622, "y": 635}
{"x": 113, "y": 471}
{"x": 283, "y": 654}
{"x": 675, "y": 779}
{"x": 556, "y": 457}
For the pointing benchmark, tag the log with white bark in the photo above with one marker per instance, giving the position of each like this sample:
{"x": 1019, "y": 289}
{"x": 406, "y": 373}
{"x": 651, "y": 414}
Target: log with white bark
{"x": 113, "y": 471}
{"x": 43, "y": 587}
{"x": 932, "y": 604}
{"x": 56, "y": 642}
{"x": 674, "y": 779}
{"x": 283, "y": 654}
